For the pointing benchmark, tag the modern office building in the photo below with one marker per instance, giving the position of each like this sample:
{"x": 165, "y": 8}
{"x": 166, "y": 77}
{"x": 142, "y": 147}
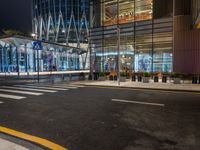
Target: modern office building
{"x": 62, "y": 27}
{"x": 147, "y": 35}
{"x": 62, "y": 21}
{"x": 18, "y": 56}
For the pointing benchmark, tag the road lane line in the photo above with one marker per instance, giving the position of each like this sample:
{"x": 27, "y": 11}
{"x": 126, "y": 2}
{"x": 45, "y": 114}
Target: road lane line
{"x": 29, "y": 89}
{"x": 68, "y": 87}
{"x": 79, "y": 86}
{"x": 12, "y": 96}
{"x": 21, "y": 92}
{"x": 137, "y": 102}
{"x": 40, "y": 141}
{"x": 1, "y": 102}
{"x": 42, "y": 87}
{"x": 60, "y": 86}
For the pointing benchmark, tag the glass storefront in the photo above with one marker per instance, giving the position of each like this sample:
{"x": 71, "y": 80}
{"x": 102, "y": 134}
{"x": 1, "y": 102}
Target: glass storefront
{"x": 17, "y": 54}
{"x": 145, "y": 42}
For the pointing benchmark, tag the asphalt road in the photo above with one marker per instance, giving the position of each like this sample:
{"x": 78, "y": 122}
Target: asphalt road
{"x": 91, "y": 118}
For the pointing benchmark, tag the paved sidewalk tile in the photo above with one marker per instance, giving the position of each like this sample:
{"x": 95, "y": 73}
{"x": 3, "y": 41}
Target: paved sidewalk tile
{"x": 151, "y": 85}
{"x": 7, "y": 145}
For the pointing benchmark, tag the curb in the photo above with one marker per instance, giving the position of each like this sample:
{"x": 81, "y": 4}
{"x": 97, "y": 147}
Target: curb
{"x": 30, "y": 138}
{"x": 139, "y": 88}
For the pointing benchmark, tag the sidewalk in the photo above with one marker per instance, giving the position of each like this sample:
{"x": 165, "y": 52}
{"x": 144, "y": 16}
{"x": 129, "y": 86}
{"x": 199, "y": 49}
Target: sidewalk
{"x": 11, "y": 143}
{"x": 7, "y": 145}
{"x": 184, "y": 87}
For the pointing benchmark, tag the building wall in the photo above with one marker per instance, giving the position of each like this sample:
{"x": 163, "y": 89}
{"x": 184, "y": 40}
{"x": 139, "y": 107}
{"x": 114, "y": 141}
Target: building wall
{"x": 187, "y": 46}
{"x": 145, "y": 42}
{"x": 187, "y": 52}
{"x": 62, "y": 21}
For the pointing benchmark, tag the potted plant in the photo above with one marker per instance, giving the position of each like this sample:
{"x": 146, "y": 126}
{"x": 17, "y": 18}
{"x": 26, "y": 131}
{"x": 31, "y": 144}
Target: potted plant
{"x": 102, "y": 76}
{"x": 133, "y": 76}
{"x": 176, "y": 77}
{"x": 139, "y": 77}
{"x": 82, "y": 76}
{"x": 156, "y": 78}
{"x": 122, "y": 77}
{"x": 199, "y": 79}
{"x": 111, "y": 77}
{"x": 164, "y": 78}
{"x": 146, "y": 77}
{"x": 90, "y": 77}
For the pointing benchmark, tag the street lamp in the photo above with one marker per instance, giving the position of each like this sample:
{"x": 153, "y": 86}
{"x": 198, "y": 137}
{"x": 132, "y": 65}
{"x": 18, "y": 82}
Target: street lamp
{"x": 34, "y": 36}
{"x": 118, "y": 44}
{"x": 118, "y": 52}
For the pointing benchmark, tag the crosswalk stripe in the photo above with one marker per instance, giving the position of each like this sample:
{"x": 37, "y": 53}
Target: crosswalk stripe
{"x": 79, "y": 86}
{"x": 57, "y": 86}
{"x": 21, "y": 92}
{"x": 42, "y": 87}
{"x": 29, "y": 89}
{"x": 12, "y": 96}
{"x": 68, "y": 87}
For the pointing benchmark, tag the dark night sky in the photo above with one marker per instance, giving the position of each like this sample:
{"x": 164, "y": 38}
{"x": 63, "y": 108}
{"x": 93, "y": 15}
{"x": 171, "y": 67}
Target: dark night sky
{"x": 15, "y": 14}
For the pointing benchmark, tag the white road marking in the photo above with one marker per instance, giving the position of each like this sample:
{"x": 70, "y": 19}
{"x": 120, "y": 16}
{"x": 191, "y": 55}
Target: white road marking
{"x": 21, "y": 92}
{"x": 137, "y": 102}
{"x": 29, "y": 89}
{"x": 58, "y": 85}
{"x": 12, "y": 96}
{"x": 1, "y": 102}
{"x": 42, "y": 87}
{"x": 79, "y": 86}
{"x": 68, "y": 87}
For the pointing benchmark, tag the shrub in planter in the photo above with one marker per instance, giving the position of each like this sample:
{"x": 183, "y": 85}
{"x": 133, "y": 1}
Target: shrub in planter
{"x": 164, "y": 79}
{"x": 194, "y": 80}
{"x": 155, "y": 78}
{"x": 146, "y": 77}
{"x": 139, "y": 77}
{"x": 122, "y": 77}
{"x": 111, "y": 78}
{"x": 115, "y": 77}
{"x": 82, "y": 76}
{"x": 102, "y": 76}
{"x": 90, "y": 77}
{"x": 133, "y": 77}
{"x": 176, "y": 77}
{"x": 199, "y": 79}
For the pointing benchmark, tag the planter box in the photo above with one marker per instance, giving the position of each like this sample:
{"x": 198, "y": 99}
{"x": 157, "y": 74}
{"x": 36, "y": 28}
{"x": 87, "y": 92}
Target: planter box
{"x": 139, "y": 78}
{"x": 115, "y": 78}
{"x": 101, "y": 78}
{"x": 156, "y": 79}
{"x": 177, "y": 80}
{"x": 164, "y": 79}
{"x": 133, "y": 78}
{"x": 145, "y": 79}
{"x": 194, "y": 80}
{"x": 122, "y": 79}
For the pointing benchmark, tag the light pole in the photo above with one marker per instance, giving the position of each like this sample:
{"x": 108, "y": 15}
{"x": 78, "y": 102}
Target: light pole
{"x": 118, "y": 54}
{"x": 118, "y": 45}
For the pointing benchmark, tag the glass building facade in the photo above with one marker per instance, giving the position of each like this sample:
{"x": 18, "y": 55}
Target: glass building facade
{"x": 65, "y": 22}
{"x": 143, "y": 28}
{"x": 62, "y": 21}
{"x": 17, "y": 55}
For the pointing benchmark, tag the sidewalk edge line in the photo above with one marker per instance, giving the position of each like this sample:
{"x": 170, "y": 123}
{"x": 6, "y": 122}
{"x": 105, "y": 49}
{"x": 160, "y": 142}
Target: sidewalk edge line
{"x": 30, "y": 138}
{"x": 139, "y": 88}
